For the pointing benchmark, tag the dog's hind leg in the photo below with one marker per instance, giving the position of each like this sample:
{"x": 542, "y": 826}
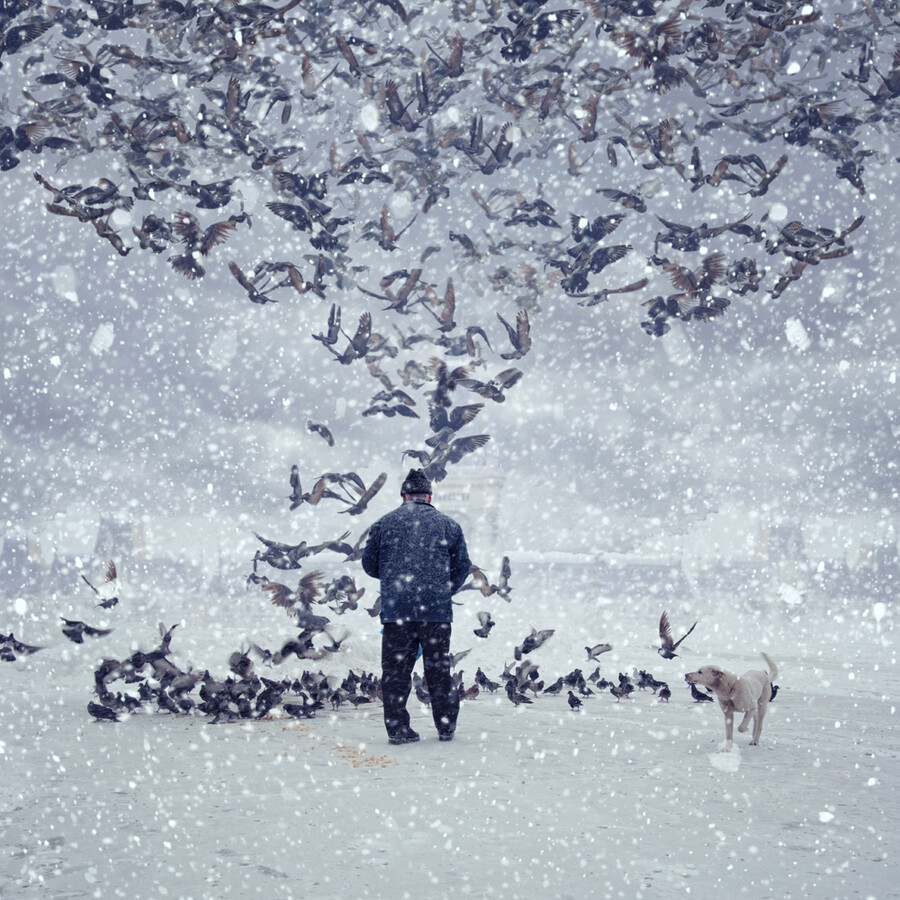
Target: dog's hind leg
{"x": 758, "y": 721}
{"x": 750, "y": 714}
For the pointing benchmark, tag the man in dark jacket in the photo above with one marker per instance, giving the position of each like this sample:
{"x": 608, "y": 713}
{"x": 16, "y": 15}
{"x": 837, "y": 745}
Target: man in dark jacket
{"x": 420, "y": 557}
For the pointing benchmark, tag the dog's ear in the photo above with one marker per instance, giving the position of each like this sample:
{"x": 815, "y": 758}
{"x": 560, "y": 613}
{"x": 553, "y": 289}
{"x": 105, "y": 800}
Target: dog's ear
{"x": 716, "y": 674}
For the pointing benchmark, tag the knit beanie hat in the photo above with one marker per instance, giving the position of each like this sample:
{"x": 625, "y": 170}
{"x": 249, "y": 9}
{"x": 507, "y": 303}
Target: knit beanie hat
{"x": 416, "y": 483}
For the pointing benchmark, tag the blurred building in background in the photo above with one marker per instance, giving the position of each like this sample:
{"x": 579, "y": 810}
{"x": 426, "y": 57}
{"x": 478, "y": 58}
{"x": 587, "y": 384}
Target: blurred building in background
{"x": 471, "y": 494}
{"x": 754, "y": 562}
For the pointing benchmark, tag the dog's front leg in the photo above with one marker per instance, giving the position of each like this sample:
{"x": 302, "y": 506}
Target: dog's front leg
{"x": 746, "y": 721}
{"x": 729, "y": 730}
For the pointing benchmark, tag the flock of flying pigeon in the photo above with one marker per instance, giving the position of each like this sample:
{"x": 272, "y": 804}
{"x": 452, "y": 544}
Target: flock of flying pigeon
{"x": 316, "y": 127}
{"x": 333, "y": 110}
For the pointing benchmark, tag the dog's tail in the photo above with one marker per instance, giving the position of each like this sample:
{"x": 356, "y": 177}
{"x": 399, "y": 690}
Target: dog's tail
{"x": 773, "y": 669}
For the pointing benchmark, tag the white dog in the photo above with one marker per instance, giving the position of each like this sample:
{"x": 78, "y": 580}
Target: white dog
{"x": 750, "y": 694}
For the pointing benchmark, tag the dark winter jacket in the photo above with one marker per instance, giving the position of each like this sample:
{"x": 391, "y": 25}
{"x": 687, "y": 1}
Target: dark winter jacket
{"x": 420, "y": 556}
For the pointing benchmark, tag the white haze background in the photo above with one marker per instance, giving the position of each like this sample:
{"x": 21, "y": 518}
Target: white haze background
{"x": 133, "y": 395}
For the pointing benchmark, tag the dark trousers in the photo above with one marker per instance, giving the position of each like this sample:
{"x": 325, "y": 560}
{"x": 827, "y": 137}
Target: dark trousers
{"x": 400, "y": 644}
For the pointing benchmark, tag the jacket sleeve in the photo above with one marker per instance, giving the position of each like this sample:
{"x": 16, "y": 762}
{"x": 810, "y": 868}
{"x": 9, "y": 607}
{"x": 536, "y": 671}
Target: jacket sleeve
{"x": 459, "y": 562}
{"x": 371, "y": 554}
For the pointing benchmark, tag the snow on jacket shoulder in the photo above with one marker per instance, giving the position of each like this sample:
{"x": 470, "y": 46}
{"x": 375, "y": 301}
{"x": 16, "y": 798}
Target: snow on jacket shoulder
{"x": 421, "y": 559}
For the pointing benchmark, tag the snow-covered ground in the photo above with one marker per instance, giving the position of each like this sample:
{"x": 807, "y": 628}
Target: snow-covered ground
{"x": 620, "y": 799}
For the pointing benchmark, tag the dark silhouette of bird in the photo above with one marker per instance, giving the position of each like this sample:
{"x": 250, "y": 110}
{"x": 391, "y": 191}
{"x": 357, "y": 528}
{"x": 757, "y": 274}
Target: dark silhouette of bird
{"x": 322, "y": 430}
{"x": 358, "y": 345}
{"x": 495, "y": 388}
{"x": 519, "y": 337}
{"x": 669, "y": 646}
{"x": 199, "y": 240}
{"x": 297, "y": 215}
{"x": 363, "y": 500}
{"x": 516, "y": 696}
{"x": 153, "y": 234}
{"x": 256, "y": 294}
{"x": 698, "y": 695}
{"x": 574, "y": 702}
{"x": 664, "y": 693}
{"x": 482, "y": 583}
{"x": 420, "y": 686}
{"x": 333, "y": 331}
{"x": 624, "y": 198}
{"x": 10, "y": 647}
{"x": 375, "y": 609}
{"x": 75, "y": 630}
{"x": 320, "y": 491}
{"x": 102, "y": 713}
{"x": 446, "y": 380}
{"x": 592, "y": 298}
{"x": 445, "y": 424}
{"x": 165, "y": 703}
{"x": 587, "y": 123}
{"x": 646, "y": 680}
{"x": 484, "y": 682}
{"x": 695, "y": 298}
{"x": 597, "y": 650}
{"x": 399, "y": 302}
{"x": 285, "y": 556}
{"x": 457, "y": 658}
{"x": 343, "y": 594}
{"x": 583, "y": 228}
{"x": 398, "y": 409}
{"x": 398, "y": 114}
{"x": 214, "y": 195}
{"x": 453, "y": 65}
{"x": 446, "y": 454}
{"x": 13, "y": 39}
{"x": 389, "y": 237}
{"x": 308, "y": 590}
{"x": 470, "y": 250}
{"x": 110, "y": 577}
{"x": 556, "y": 687}
{"x": 352, "y": 553}
{"x": 485, "y": 624}
{"x": 446, "y": 307}
{"x": 305, "y": 710}
{"x": 240, "y": 664}
{"x": 533, "y": 641}
{"x": 470, "y": 693}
